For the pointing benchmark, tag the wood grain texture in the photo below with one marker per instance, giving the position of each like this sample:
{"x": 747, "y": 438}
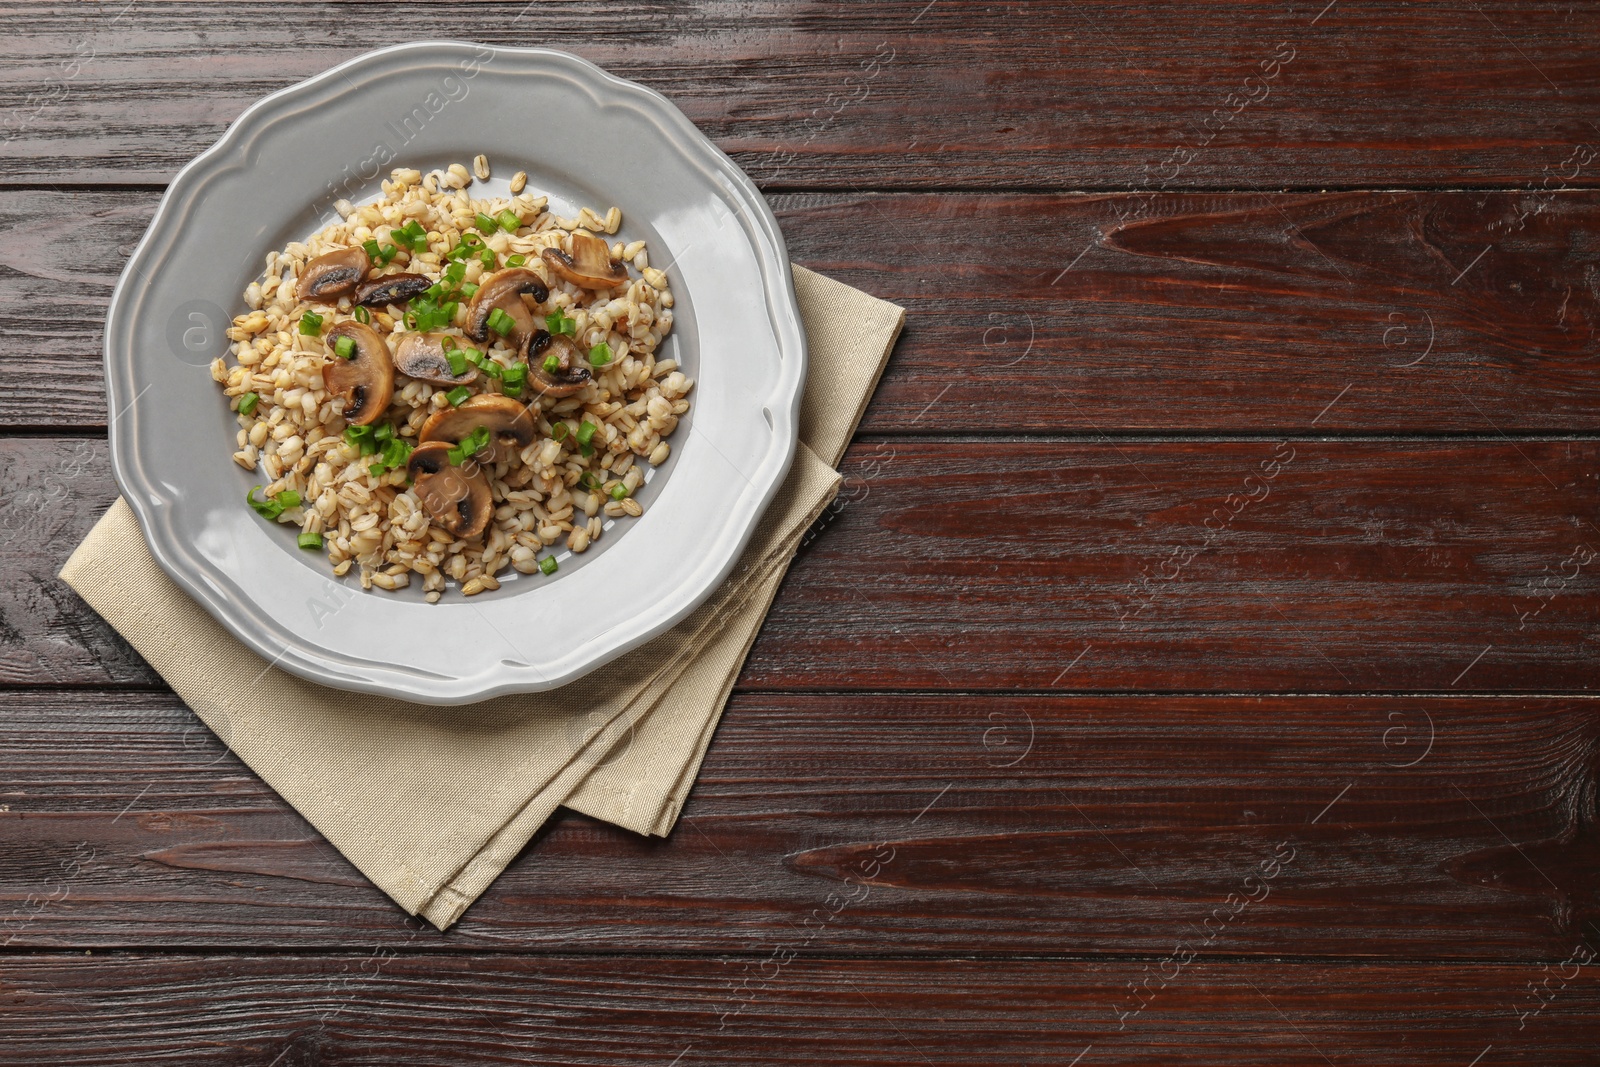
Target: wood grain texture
{"x": 1219, "y": 565}
{"x": 1243, "y": 565}
{"x": 838, "y": 95}
{"x": 1457, "y": 312}
{"x": 298, "y": 1011}
{"x": 1461, "y": 828}
{"x": 1196, "y": 669}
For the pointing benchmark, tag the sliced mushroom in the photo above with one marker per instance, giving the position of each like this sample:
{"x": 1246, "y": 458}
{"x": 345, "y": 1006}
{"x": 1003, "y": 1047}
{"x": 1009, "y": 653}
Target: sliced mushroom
{"x": 333, "y": 275}
{"x": 458, "y": 500}
{"x": 422, "y": 356}
{"x": 510, "y": 424}
{"x": 504, "y": 289}
{"x": 589, "y": 264}
{"x": 391, "y": 289}
{"x": 571, "y": 365}
{"x": 366, "y": 379}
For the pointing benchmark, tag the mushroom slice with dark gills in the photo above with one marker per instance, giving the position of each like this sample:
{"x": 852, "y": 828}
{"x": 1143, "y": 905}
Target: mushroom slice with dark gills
{"x": 457, "y": 499}
{"x": 365, "y": 379}
{"x": 588, "y": 265}
{"x": 423, "y": 356}
{"x": 333, "y": 275}
{"x": 503, "y": 290}
{"x": 391, "y": 289}
{"x": 509, "y": 422}
{"x": 556, "y": 365}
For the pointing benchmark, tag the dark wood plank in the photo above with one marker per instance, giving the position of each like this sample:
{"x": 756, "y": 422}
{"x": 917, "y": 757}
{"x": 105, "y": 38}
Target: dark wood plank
{"x": 1206, "y": 312}
{"x": 903, "y": 93}
{"x": 60, "y": 256}
{"x": 1220, "y": 565}
{"x": 1223, "y": 565}
{"x": 297, "y": 1011}
{"x": 975, "y": 825}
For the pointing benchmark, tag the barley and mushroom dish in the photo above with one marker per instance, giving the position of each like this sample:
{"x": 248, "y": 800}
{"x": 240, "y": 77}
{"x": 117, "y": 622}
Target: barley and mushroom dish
{"x": 449, "y": 386}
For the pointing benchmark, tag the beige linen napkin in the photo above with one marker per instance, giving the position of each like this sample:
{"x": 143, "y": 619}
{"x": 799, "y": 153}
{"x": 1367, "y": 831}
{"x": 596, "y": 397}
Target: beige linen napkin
{"x": 433, "y": 803}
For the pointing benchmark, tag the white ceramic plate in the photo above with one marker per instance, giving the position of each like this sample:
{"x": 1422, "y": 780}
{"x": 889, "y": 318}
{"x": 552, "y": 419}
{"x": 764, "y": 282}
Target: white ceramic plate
{"x": 584, "y": 137}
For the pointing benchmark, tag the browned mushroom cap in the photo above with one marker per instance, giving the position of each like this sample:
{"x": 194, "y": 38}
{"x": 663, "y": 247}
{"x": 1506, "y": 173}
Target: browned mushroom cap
{"x": 571, "y": 365}
{"x": 504, "y": 289}
{"x": 510, "y": 424}
{"x": 422, "y": 356}
{"x": 458, "y": 501}
{"x": 333, "y": 274}
{"x": 589, "y": 264}
{"x": 366, "y": 379}
{"x": 391, "y": 289}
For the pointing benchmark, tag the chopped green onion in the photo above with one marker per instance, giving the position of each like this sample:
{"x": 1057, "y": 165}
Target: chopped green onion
{"x": 556, "y": 322}
{"x": 508, "y": 220}
{"x": 590, "y": 482}
{"x": 487, "y": 258}
{"x": 547, "y": 565}
{"x": 380, "y": 253}
{"x": 473, "y": 356}
{"x": 273, "y": 506}
{"x": 345, "y": 347}
{"x": 310, "y": 540}
{"x": 362, "y": 314}
{"x": 586, "y": 438}
{"x": 458, "y": 394}
{"x": 434, "y": 291}
{"x": 600, "y": 355}
{"x": 449, "y": 312}
{"x": 248, "y": 402}
{"x": 470, "y": 243}
{"x": 412, "y": 235}
{"x": 551, "y": 364}
{"x": 396, "y": 452}
{"x": 362, "y": 438}
{"x": 311, "y": 324}
{"x": 618, "y": 491}
{"x": 559, "y": 431}
{"x": 468, "y": 290}
{"x": 490, "y": 368}
{"x": 515, "y": 377}
{"x": 500, "y": 322}
{"x": 486, "y": 223}
{"x": 516, "y": 260}
{"x": 458, "y": 362}
{"x": 476, "y": 441}
{"x": 454, "y": 273}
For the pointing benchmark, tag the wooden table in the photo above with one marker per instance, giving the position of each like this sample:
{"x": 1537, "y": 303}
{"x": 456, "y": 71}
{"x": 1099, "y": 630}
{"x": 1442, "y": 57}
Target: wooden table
{"x": 1196, "y": 671}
